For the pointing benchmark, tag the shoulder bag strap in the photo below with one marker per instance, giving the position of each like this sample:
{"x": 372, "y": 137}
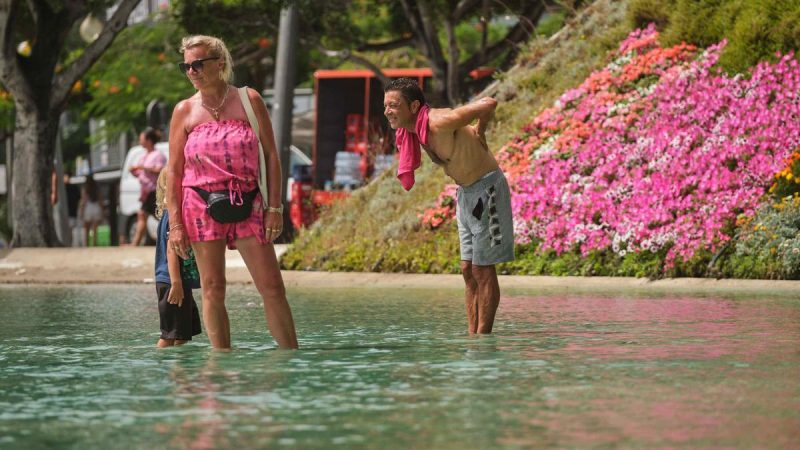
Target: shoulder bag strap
{"x": 262, "y": 164}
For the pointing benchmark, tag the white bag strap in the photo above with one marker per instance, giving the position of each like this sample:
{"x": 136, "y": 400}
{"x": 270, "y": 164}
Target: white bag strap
{"x": 262, "y": 163}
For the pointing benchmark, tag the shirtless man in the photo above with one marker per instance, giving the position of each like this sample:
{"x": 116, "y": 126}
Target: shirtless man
{"x": 485, "y": 225}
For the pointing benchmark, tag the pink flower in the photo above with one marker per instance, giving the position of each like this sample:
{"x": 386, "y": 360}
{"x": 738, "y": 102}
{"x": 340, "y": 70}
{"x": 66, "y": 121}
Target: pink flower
{"x": 656, "y": 150}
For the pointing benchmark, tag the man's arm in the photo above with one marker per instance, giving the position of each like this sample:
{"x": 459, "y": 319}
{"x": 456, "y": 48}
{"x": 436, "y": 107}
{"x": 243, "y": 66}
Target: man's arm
{"x": 482, "y": 109}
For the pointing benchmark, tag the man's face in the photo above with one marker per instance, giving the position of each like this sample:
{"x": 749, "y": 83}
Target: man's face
{"x": 399, "y": 113}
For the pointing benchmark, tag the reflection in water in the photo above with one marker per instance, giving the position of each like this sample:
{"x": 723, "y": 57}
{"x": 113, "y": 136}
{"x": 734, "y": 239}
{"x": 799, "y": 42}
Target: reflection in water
{"x": 197, "y": 395}
{"x": 397, "y": 370}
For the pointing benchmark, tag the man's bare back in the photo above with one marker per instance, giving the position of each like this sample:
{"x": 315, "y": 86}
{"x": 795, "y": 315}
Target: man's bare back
{"x": 462, "y": 152}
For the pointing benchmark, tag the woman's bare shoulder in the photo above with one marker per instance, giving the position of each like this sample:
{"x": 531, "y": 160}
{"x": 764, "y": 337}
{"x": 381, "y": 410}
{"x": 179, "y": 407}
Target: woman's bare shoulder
{"x": 185, "y": 115}
{"x": 185, "y": 106}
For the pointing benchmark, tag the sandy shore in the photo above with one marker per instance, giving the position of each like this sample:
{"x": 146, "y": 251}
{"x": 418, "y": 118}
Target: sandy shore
{"x": 135, "y": 265}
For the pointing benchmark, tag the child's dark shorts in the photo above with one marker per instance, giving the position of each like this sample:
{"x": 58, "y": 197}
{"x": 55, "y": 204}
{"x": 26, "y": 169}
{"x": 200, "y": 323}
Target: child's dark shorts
{"x": 177, "y": 322}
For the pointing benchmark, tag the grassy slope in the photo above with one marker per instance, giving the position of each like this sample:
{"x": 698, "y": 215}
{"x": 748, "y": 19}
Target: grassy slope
{"x": 378, "y": 229}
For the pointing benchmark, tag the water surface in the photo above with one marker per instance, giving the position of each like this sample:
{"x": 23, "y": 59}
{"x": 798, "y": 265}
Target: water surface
{"x": 395, "y": 369}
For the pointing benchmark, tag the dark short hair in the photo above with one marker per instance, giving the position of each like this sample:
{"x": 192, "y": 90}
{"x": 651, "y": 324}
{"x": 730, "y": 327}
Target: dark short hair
{"x": 152, "y": 134}
{"x": 408, "y": 88}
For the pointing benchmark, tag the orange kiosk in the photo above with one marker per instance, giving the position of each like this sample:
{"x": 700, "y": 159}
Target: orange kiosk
{"x": 349, "y": 118}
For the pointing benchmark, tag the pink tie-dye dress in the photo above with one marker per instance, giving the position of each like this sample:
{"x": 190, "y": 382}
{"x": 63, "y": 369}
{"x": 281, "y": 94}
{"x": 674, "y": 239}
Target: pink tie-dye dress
{"x": 221, "y": 155}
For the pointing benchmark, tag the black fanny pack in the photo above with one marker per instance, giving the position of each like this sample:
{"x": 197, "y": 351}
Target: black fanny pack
{"x": 220, "y": 208}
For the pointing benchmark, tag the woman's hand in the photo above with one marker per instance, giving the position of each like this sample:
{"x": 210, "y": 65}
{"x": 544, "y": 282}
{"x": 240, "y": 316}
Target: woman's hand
{"x": 273, "y": 225}
{"x": 178, "y": 240}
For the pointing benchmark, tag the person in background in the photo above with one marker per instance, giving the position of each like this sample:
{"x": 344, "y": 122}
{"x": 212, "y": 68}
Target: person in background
{"x": 73, "y": 200}
{"x": 485, "y": 224}
{"x": 147, "y": 170}
{"x": 213, "y": 148}
{"x": 91, "y": 210}
{"x": 53, "y": 188}
{"x": 177, "y": 310}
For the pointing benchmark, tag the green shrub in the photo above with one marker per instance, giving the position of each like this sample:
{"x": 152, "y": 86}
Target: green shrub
{"x": 5, "y": 228}
{"x": 755, "y": 29}
{"x": 529, "y": 261}
{"x": 769, "y": 243}
{"x": 641, "y": 13}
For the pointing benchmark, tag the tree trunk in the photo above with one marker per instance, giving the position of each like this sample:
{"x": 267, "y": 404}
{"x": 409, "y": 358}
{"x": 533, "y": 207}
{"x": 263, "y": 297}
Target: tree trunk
{"x": 453, "y": 82}
{"x": 34, "y": 141}
{"x": 422, "y": 22}
{"x": 40, "y": 94}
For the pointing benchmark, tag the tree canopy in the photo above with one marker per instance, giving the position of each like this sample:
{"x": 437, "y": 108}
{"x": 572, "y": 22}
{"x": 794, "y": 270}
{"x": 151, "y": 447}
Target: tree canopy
{"x": 453, "y": 37}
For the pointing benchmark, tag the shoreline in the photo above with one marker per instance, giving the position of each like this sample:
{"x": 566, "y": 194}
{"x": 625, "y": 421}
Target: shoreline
{"x": 134, "y": 265}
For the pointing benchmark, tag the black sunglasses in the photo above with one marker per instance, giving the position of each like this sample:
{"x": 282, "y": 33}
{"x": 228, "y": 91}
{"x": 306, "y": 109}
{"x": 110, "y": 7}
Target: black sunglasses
{"x": 197, "y": 64}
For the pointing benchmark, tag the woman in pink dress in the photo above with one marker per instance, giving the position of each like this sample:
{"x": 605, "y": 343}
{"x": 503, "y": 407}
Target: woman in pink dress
{"x": 212, "y": 147}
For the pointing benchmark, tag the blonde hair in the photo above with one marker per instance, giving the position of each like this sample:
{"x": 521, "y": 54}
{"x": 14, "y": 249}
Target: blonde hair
{"x": 215, "y": 47}
{"x": 161, "y": 193}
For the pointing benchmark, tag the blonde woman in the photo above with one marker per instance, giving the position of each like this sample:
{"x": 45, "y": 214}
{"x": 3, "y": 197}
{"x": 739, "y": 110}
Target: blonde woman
{"x": 213, "y": 149}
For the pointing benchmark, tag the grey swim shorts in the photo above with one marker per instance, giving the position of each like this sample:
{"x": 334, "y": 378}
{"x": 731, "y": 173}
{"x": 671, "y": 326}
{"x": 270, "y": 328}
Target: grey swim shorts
{"x": 485, "y": 224}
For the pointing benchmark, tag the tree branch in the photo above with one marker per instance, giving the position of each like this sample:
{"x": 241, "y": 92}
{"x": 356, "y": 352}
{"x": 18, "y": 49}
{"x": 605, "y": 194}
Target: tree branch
{"x": 418, "y": 30}
{"x": 245, "y": 55}
{"x": 521, "y": 31}
{"x": 63, "y": 82}
{"x": 431, "y": 36}
{"x": 350, "y": 56}
{"x": 9, "y": 64}
{"x": 463, "y": 7}
{"x": 383, "y": 46}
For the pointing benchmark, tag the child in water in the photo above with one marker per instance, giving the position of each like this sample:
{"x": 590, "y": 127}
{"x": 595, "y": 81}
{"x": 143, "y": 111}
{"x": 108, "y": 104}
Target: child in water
{"x": 175, "y": 279}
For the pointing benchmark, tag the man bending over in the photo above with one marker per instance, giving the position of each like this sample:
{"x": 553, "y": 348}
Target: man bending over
{"x": 485, "y": 225}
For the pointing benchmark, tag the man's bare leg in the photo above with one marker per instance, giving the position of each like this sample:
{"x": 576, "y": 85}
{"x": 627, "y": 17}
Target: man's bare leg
{"x": 470, "y": 296}
{"x": 488, "y": 296}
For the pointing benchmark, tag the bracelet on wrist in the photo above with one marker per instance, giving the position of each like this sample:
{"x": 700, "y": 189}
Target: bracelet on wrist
{"x": 278, "y": 210}
{"x": 175, "y": 226}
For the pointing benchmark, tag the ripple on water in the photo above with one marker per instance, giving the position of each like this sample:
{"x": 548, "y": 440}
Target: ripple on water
{"x": 396, "y": 370}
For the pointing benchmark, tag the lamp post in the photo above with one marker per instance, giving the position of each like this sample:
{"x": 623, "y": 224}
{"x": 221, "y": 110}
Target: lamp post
{"x": 283, "y": 103}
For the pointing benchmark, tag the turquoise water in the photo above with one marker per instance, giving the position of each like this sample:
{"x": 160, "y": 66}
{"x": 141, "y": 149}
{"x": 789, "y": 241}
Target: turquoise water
{"x": 395, "y": 369}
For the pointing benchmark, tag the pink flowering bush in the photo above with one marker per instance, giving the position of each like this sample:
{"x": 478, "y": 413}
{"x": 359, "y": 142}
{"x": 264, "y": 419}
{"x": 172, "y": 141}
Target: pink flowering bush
{"x": 444, "y": 210}
{"x": 658, "y": 150}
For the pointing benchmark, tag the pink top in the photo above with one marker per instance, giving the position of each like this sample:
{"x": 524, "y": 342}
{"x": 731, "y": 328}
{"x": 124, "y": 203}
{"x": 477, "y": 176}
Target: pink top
{"x": 221, "y": 155}
{"x": 154, "y": 160}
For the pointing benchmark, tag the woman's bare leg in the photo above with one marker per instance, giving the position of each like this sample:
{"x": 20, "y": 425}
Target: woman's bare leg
{"x": 263, "y": 267}
{"x": 141, "y": 226}
{"x": 94, "y": 233}
{"x": 210, "y": 257}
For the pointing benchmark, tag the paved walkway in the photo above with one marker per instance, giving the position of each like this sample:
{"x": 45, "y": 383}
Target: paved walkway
{"x": 135, "y": 265}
